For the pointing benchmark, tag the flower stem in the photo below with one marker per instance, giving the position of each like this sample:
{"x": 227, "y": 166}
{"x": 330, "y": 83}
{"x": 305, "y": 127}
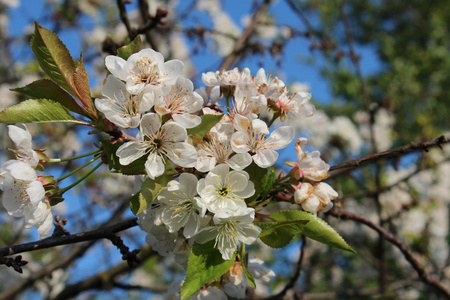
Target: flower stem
{"x": 78, "y": 169}
{"x": 273, "y": 120}
{"x": 62, "y": 191}
{"x": 53, "y": 160}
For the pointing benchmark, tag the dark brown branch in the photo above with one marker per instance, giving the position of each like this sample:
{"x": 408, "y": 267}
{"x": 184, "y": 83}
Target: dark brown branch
{"x": 295, "y": 275}
{"x": 407, "y": 253}
{"x": 105, "y": 232}
{"x": 124, "y": 18}
{"x": 240, "y": 43}
{"x": 412, "y": 147}
{"x": 103, "y": 280}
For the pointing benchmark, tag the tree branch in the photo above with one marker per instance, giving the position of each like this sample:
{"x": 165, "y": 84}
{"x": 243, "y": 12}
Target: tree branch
{"x": 105, "y": 232}
{"x": 412, "y": 147}
{"x": 239, "y": 45}
{"x": 407, "y": 253}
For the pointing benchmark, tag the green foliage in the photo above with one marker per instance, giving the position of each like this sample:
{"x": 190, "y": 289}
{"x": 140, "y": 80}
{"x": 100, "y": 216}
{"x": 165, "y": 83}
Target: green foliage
{"x": 316, "y": 229}
{"x": 150, "y": 189}
{"x": 48, "y": 89}
{"x": 37, "y": 111}
{"x": 57, "y": 63}
{"x": 137, "y": 167}
{"x": 205, "y": 264}
{"x": 208, "y": 121}
{"x": 133, "y": 47}
{"x": 279, "y": 234}
{"x": 263, "y": 180}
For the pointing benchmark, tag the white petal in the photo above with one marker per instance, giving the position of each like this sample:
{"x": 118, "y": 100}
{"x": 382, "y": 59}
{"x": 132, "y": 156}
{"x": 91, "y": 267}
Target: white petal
{"x": 189, "y": 183}
{"x": 154, "y": 166}
{"x": 281, "y": 137}
{"x": 116, "y": 65}
{"x": 150, "y": 124}
{"x": 265, "y": 158}
{"x": 182, "y": 154}
{"x": 36, "y": 192}
{"x": 239, "y": 161}
{"x": 240, "y": 142}
{"x": 130, "y": 151}
{"x": 171, "y": 131}
{"x": 187, "y": 120}
{"x": 20, "y": 137}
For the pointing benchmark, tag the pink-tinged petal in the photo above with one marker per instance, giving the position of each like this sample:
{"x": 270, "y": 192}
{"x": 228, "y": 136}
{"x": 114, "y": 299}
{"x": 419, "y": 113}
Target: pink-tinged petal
{"x": 280, "y": 138}
{"x": 150, "y": 124}
{"x": 116, "y": 65}
{"x": 173, "y": 132}
{"x": 182, "y": 154}
{"x": 154, "y": 166}
{"x": 265, "y": 158}
{"x": 259, "y": 127}
{"x": 20, "y": 137}
{"x": 130, "y": 151}
{"x": 240, "y": 142}
{"x": 239, "y": 161}
{"x": 187, "y": 120}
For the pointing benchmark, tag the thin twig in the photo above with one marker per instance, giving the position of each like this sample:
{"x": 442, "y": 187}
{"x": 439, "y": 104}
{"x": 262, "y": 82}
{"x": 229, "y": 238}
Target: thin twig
{"x": 295, "y": 275}
{"x": 240, "y": 43}
{"x": 412, "y": 147}
{"x": 407, "y": 253}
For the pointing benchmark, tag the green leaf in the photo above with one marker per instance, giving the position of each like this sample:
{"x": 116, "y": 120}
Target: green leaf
{"x": 208, "y": 121}
{"x": 81, "y": 84}
{"x": 133, "y": 47}
{"x": 244, "y": 262}
{"x": 137, "y": 203}
{"x": 279, "y": 234}
{"x": 45, "y": 88}
{"x": 205, "y": 264}
{"x": 37, "y": 111}
{"x": 53, "y": 57}
{"x": 150, "y": 189}
{"x": 135, "y": 168}
{"x": 316, "y": 229}
{"x": 263, "y": 180}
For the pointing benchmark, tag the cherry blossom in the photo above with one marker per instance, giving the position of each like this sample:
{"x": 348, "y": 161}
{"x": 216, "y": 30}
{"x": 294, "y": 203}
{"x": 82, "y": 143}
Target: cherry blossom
{"x": 251, "y": 136}
{"x": 224, "y": 190}
{"x": 158, "y": 142}
{"x": 145, "y": 68}
{"x": 121, "y": 107}
{"x": 230, "y": 229}
{"x": 315, "y": 198}
{"x": 22, "y": 140}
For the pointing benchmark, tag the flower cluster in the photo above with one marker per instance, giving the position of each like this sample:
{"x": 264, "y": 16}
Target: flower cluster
{"x": 23, "y": 190}
{"x": 207, "y": 200}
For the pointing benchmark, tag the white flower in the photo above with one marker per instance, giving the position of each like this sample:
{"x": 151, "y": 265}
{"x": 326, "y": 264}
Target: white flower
{"x": 309, "y": 165}
{"x": 248, "y": 102}
{"x": 120, "y": 107}
{"x": 230, "y": 230}
{"x": 145, "y": 68}
{"x": 271, "y": 88}
{"x": 181, "y": 102}
{"x": 251, "y": 137}
{"x": 296, "y": 105}
{"x": 225, "y": 191}
{"x": 232, "y": 77}
{"x": 22, "y": 141}
{"x": 24, "y": 195}
{"x": 216, "y": 150}
{"x": 315, "y": 198}
{"x": 181, "y": 206}
{"x": 158, "y": 142}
